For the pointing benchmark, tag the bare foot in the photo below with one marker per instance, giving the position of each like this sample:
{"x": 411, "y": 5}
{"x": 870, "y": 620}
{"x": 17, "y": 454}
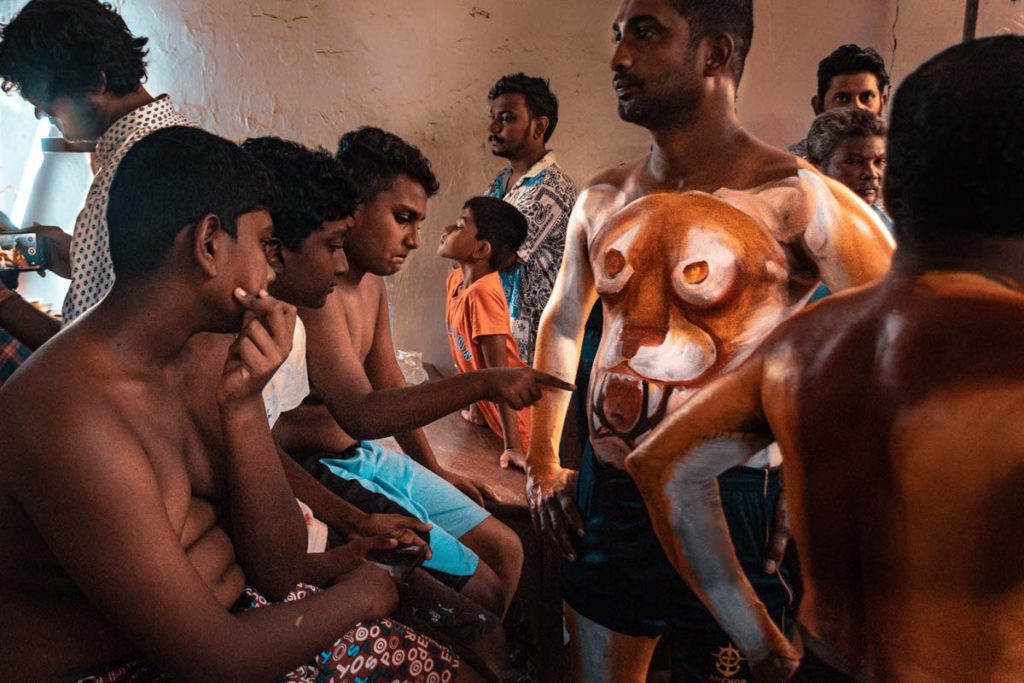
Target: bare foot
{"x": 513, "y": 456}
{"x": 473, "y": 415}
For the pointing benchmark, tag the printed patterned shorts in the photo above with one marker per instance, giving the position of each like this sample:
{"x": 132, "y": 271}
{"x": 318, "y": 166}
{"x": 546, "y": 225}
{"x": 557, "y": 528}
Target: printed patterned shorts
{"x": 381, "y": 651}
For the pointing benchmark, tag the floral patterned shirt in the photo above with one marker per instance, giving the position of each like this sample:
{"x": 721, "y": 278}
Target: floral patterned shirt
{"x": 545, "y": 195}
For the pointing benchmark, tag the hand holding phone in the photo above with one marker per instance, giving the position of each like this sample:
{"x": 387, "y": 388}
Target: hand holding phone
{"x": 21, "y": 251}
{"x": 411, "y": 556}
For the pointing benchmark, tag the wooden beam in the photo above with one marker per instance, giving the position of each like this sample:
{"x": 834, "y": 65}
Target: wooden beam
{"x": 970, "y": 20}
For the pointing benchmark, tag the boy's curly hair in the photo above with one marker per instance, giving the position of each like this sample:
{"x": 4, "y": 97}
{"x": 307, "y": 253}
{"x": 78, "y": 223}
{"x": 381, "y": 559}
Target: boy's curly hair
{"x": 313, "y": 188}
{"x": 374, "y": 158}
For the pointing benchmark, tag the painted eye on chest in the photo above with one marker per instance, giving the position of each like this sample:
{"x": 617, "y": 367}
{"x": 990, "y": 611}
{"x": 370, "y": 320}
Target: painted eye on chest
{"x": 705, "y": 280}
{"x": 612, "y": 269}
{"x": 613, "y": 274}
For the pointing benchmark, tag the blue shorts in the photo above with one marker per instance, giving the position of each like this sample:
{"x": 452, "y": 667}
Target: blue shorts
{"x": 422, "y": 493}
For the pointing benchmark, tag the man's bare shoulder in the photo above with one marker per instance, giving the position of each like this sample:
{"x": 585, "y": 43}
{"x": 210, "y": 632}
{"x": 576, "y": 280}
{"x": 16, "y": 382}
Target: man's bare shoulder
{"x": 63, "y": 393}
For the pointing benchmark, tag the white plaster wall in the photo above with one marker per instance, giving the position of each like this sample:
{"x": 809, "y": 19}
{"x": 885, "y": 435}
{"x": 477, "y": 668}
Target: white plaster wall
{"x": 312, "y": 69}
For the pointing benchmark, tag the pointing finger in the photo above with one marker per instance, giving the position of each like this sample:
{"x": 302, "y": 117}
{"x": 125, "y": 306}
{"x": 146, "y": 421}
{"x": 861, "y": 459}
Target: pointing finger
{"x": 552, "y": 381}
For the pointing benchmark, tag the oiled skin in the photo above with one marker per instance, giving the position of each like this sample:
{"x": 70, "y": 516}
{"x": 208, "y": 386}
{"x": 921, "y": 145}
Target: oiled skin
{"x": 897, "y": 408}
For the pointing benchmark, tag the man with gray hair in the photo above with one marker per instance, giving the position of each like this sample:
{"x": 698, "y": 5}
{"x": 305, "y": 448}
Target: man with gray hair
{"x": 849, "y": 146}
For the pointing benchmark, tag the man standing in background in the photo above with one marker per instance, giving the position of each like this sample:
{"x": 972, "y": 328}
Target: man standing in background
{"x": 852, "y": 77}
{"x": 77, "y": 63}
{"x": 524, "y": 113}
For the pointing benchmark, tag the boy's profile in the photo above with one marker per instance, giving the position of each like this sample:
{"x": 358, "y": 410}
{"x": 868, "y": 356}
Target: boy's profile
{"x": 476, "y": 312}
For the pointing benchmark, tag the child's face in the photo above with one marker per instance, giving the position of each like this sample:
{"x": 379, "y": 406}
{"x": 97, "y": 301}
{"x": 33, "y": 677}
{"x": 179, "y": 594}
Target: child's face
{"x": 459, "y": 241}
{"x": 308, "y": 275}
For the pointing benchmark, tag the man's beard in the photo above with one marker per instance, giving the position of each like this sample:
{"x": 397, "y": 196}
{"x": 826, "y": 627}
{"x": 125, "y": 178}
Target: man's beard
{"x": 654, "y": 111}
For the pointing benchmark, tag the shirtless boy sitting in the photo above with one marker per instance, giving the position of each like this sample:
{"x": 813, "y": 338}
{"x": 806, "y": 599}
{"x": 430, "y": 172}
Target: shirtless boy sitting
{"x": 114, "y": 526}
{"x": 898, "y": 410}
{"x": 354, "y": 371}
{"x": 311, "y": 217}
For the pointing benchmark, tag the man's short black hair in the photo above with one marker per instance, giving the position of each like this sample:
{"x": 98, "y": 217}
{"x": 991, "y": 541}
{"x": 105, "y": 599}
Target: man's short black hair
{"x": 715, "y": 17}
{"x": 170, "y": 180}
{"x": 499, "y": 223}
{"x": 831, "y": 128}
{"x": 851, "y": 59}
{"x": 956, "y": 142}
{"x": 312, "y": 187}
{"x": 65, "y": 47}
{"x": 374, "y": 158}
{"x": 535, "y": 91}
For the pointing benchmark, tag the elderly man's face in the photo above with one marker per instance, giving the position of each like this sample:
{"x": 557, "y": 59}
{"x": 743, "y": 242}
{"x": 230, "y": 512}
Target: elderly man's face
{"x": 859, "y": 163}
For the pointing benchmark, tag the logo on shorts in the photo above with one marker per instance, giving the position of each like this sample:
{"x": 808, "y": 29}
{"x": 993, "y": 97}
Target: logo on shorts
{"x": 728, "y": 660}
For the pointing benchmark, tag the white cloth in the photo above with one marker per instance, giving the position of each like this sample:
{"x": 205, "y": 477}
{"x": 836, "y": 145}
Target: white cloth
{"x": 92, "y": 274}
{"x": 290, "y": 384}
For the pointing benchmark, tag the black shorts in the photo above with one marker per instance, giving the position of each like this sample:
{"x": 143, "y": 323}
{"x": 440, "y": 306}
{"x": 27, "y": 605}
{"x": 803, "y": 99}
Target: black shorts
{"x": 622, "y": 579}
{"x": 814, "y": 670}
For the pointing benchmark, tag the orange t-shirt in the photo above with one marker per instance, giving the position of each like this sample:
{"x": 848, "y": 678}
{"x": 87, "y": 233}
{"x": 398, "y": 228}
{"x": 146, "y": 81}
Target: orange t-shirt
{"x": 477, "y": 311}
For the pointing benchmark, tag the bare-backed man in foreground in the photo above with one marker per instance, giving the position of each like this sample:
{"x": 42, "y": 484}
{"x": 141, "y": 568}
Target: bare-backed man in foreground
{"x": 126, "y": 539}
{"x": 899, "y": 410}
{"x": 697, "y": 251}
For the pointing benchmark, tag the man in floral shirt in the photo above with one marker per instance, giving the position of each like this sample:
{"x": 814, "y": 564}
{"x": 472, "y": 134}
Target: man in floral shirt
{"x": 524, "y": 113}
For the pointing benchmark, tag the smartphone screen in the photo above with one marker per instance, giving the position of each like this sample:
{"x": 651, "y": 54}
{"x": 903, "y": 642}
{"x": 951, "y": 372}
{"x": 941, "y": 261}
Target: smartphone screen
{"x": 21, "y": 251}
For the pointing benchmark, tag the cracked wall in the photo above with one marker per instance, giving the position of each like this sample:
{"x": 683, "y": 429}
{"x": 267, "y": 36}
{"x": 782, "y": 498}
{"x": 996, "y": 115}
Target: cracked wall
{"x": 312, "y": 69}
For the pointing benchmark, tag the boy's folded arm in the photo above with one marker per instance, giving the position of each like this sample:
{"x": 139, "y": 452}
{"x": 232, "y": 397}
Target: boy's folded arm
{"x": 267, "y": 527}
{"x": 92, "y": 494}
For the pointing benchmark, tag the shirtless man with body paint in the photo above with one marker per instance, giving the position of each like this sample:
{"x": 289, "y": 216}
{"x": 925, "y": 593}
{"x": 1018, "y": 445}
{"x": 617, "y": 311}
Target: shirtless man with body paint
{"x": 898, "y": 409}
{"x": 697, "y": 251}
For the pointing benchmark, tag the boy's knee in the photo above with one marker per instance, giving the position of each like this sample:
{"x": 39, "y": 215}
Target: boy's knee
{"x": 497, "y": 546}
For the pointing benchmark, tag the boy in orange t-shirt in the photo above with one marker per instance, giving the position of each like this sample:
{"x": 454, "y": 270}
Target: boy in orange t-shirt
{"x": 476, "y": 312}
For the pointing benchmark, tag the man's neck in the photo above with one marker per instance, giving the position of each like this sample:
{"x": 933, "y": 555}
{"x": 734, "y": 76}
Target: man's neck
{"x": 521, "y": 165}
{"x": 683, "y": 155}
{"x": 354, "y": 277}
{"x": 473, "y": 271}
{"x": 992, "y": 256}
{"x": 150, "y": 321}
{"x": 118, "y": 106}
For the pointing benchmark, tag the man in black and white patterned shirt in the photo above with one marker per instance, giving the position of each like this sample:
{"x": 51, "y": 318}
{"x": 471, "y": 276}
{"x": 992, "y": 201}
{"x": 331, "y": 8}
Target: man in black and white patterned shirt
{"x": 76, "y": 62}
{"x": 524, "y": 113}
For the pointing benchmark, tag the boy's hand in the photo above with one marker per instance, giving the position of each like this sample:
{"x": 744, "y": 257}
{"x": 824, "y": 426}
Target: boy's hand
{"x": 520, "y": 387}
{"x": 404, "y": 530}
{"x": 478, "y": 492}
{"x": 260, "y": 348}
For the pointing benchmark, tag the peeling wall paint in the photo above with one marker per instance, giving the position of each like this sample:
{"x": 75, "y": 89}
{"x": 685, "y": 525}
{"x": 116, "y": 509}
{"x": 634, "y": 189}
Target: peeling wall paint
{"x": 312, "y": 69}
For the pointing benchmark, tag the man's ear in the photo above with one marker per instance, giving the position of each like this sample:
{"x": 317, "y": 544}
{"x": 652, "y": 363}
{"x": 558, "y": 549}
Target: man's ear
{"x": 885, "y": 100}
{"x": 816, "y": 105}
{"x": 100, "y": 86}
{"x": 540, "y": 126}
{"x": 275, "y": 257}
{"x": 721, "y": 50}
{"x": 207, "y": 242}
